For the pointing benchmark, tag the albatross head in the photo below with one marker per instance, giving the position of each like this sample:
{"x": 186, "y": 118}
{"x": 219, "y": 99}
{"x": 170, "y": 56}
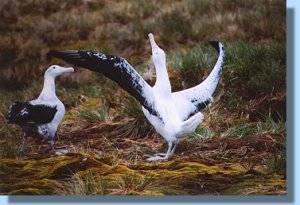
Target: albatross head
{"x": 56, "y": 70}
{"x": 158, "y": 55}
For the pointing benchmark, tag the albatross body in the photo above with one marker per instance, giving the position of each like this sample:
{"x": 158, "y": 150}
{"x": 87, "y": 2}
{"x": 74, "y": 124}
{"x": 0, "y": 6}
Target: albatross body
{"x": 172, "y": 114}
{"x": 42, "y": 116}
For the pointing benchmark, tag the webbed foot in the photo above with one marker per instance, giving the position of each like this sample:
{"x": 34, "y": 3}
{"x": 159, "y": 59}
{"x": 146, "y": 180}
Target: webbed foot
{"x": 157, "y": 158}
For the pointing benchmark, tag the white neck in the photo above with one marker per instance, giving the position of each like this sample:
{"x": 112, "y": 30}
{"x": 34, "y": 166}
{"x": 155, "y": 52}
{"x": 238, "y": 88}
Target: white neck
{"x": 48, "y": 88}
{"x": 162, "y": 78}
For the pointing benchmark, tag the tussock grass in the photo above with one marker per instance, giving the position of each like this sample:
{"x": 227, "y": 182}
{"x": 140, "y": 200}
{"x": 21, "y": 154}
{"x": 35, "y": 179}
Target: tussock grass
{"x": 277, "y": 164}
{"x": 95, "y": 184}
{"x": 256, "y": 67}
{"x": 139, "y": 125}
{"x": 94, "y": 115}
{"x": 254, "y": 128}
{"x": 201, "y": 132}
{"x": 193, "y": 65}
{"x": 89, "y": 184}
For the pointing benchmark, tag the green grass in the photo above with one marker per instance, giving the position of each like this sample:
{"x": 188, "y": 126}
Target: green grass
{"x": 93, "y": 115}
{"x": 253, "y": 68}
{"x": 194, "y": 63}
{"x": 253, "y": 128}
{"x": 277, "y": 164}
{"x": 201, "y": 132}
{"x": 248, "y": 69}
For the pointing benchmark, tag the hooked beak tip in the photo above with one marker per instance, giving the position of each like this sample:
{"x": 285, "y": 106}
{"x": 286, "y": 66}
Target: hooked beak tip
{"x": 150, "y": 35}
{"x": 152, "y": 41}
{"x": 69, "y": 70}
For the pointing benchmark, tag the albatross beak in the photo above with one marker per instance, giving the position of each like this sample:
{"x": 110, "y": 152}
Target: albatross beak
{"x": 152, "y": 41}
{"x": 68, "y": 70}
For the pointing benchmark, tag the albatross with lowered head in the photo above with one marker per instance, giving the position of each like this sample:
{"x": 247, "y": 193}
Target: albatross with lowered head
{"x": 173, "y": 115}
{"x": 41, "y": 117}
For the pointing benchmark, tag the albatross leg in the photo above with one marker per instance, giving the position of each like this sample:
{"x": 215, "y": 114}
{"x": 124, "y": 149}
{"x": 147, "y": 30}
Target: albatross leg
{"x": 171, "y": 152}
{"x": 52, "y": 145}
{"x": 174, "y": 147}
{"x": 166, "y": 155}
{"x": 160, "y": 154}
{"x": 23, "y": 142}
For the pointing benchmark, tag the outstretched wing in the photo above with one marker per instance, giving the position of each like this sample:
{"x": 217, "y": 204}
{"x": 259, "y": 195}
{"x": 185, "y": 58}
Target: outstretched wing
{"x": 197, "y": 98}
{"x": 22, "y": 113}
{"x": 116, "y": 69}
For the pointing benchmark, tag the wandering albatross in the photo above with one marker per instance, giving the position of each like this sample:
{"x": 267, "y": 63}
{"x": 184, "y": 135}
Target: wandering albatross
{"x": 41, "y": 117}
{"x": 172, "y": 114}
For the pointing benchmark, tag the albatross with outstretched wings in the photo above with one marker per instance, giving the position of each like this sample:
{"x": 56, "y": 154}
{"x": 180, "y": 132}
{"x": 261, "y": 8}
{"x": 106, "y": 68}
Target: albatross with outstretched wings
{"x": 173, "y": 115}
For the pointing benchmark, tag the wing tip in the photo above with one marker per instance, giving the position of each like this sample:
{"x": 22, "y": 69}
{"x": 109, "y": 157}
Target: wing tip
{"x": 217, "y": 45}
{"x": 53, "y": 53}
{"x": 60, "y": 54}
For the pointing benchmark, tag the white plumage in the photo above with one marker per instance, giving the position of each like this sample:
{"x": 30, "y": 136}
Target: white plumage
{"x": 175, "y": 108}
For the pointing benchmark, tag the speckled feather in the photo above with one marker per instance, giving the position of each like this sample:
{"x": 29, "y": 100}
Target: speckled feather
{"x": 116, "y": 69}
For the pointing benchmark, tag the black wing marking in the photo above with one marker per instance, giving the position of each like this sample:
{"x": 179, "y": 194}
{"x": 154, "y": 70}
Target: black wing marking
{"x": 114, "y": 68}
{"x": 200, "y": 105}
{"x": 23, "y": 113}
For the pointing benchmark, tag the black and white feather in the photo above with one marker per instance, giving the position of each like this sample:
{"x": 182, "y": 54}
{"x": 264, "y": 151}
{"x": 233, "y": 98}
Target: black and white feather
{"x": 173, "y": 115}
{"x": 114, "y": 68}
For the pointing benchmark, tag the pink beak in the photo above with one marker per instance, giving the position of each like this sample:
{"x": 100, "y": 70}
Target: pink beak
{"x": 152, "y": 41}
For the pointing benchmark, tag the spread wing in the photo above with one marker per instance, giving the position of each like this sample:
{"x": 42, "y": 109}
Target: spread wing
{"x": 22, "y": 113}
{"x": 114, "y": 68}
{"x": 197, "y": 98}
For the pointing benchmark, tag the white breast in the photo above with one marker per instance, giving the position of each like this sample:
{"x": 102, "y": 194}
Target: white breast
{"x": 171, "y": 120}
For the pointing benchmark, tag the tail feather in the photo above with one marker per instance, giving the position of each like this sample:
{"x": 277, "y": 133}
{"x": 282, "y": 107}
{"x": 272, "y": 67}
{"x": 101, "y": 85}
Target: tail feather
{"x": 190, "y": 125}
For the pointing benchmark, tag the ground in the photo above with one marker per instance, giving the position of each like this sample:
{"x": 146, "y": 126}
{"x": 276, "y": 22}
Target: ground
{"x": 104, "y": 139}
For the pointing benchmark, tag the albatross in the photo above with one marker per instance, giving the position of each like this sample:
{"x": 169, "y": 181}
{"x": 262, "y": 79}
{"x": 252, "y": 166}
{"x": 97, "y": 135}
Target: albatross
{"x": 41, "y": 117}
{"x": 172, "y": 114}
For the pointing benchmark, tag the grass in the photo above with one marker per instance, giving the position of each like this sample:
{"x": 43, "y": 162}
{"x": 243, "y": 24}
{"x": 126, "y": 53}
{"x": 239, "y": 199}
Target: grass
{"x": 11, "y": 142}
{"x": 94, "y": 115}
{"x": 254, "y": 128}
{"x": 277, "y": 164}
{"x": 95, "y": 184}
{"x": 138, "y": 126}
{"x": 248, "y": 67}
{"x": 81, "y": 24}
{"x": 90, "y": 184}
{"x": 253, "y": 82}
{"x": 193, "y": 64}
{"x": 201, "y": 132}
{"x": 175, "y": 25}
{"x": 256, "y": 67}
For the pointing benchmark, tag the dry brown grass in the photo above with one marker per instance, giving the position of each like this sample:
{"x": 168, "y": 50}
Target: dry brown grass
{"x": 104, "y": 121}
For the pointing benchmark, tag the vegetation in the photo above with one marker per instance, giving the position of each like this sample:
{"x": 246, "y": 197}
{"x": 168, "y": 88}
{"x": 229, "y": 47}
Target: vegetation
{"x": 240, "y": 148}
